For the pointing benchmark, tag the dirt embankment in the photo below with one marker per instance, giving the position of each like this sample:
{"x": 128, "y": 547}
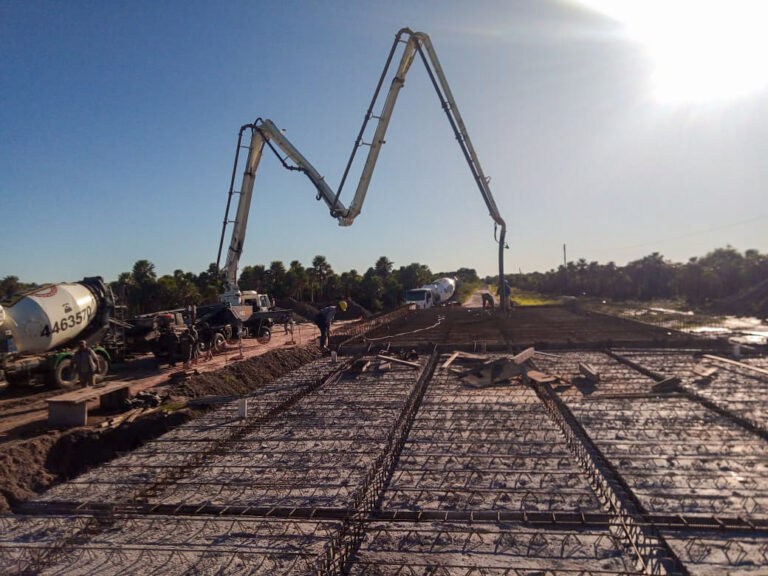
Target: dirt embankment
{"x": 302, "y": 312}
{"x": 31, "y": 466}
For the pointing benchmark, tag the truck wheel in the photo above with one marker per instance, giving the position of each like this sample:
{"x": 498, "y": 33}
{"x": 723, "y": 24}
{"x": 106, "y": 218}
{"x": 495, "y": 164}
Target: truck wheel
{"x": 264, "y": 336}
{"x": 219, "y": 342}
{"x": 64, "y": 375}
{"x": 103, "y": 368}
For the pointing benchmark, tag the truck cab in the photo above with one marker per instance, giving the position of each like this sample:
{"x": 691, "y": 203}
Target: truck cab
{"x": 259, "y": 302}
{"x": 420, "y": 297}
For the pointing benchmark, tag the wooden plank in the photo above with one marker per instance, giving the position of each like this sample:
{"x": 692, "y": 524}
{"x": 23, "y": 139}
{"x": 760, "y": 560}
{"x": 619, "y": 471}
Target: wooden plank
{"x": 525, "y": 355}
{"x": 671, "y": 384}
{"x": 704, "y": 371}
{"x": 589, "y": 372}
{"x": 540, "y": 377}
{"x": 88, "y": 393}
{"x": 736, "y": 363}
{"x": 398, "y": 361}
{"x": 450, "y": 360}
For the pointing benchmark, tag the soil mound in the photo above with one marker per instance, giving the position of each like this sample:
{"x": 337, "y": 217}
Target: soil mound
{"x": 302, "y": 312}
{"x": 247, "y": 375}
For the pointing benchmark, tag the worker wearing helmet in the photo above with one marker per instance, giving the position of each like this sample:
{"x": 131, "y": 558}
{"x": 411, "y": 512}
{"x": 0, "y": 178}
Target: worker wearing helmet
{"x": 324, "y": 319}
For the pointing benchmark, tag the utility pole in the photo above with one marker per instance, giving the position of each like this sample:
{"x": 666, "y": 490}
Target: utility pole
{"x": 565, "y": 271}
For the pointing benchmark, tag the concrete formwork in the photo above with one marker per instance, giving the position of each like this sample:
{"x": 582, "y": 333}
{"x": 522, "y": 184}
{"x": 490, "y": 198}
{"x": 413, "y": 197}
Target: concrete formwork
{"x": 410, "y": 471}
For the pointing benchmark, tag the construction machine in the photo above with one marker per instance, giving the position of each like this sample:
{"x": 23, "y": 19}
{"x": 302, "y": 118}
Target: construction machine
{"x": 265, "y": 132}
{"x": 40, "y": 327}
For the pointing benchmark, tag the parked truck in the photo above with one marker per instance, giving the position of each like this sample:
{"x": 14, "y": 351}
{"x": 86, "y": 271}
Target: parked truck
{"x": 40, "y": 328}
{"x": 429, "y": 295}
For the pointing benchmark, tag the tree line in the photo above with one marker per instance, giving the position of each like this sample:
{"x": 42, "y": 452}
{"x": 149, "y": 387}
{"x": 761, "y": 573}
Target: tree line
{"x": 722, "y": 274}
{"x": 381, "y": 287}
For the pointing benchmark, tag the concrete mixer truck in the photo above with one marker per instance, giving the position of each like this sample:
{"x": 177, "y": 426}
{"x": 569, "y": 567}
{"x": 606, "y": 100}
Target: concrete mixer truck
{"x": 430, "y": 295}
{"x": 40, "y": 328}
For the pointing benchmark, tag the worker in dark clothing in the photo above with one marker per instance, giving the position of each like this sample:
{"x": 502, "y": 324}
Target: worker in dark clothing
{"x": 170, "y": 341}
{"x": 185, "y": 346}
{"x": 86, "y": 364}
{"x": 487, "y": 300}
{"x": 324, "y": 319}
{"x": 194, "y": 340}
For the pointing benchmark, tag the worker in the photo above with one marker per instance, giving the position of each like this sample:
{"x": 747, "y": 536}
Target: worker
{"x": 288, "y": 326}
{"x": 206, "y": 339}
{"x": 487, "y": 300}
{"x": 86, "y": 364}
{"x": 194, "y": 340}
{"x": 185, "y": 346}
{"x": 170, "y": 342}
{"x": 324, "y": 319}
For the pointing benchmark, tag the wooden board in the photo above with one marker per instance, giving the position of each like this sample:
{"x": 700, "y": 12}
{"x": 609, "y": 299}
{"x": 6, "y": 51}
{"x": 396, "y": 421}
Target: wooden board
{"x": 88, "y": 393}
{"x": 540, "y": 377}
{"x": 524, "y": 356}
{"x": 736, "y": 363}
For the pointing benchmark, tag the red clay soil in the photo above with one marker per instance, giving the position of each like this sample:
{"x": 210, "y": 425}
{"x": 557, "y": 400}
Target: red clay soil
{"x": 32, "y": 465}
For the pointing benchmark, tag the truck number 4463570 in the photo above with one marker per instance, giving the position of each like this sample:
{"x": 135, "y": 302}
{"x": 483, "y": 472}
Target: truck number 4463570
{"x": 67, "y": 322}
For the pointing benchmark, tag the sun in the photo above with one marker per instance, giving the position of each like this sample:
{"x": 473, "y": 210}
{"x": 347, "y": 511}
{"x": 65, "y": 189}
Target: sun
{"x": 702, "y": 50}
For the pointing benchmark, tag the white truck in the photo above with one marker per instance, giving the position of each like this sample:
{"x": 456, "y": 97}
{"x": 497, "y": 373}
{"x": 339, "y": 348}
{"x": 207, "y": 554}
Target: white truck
{"x": 40, "y": 328}
{"x": 429, "y": 295}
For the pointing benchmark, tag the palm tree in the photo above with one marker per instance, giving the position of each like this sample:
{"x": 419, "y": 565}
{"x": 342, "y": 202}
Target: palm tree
{"x": 321, "y": 269}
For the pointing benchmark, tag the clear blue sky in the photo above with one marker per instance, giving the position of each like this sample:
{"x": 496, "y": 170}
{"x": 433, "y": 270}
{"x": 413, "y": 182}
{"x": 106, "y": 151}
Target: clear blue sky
{"x": 118, "y": 124}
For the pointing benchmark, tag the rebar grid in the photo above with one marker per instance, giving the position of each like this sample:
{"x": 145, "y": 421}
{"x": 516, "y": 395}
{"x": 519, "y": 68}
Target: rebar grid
{"x": 647, "y": 543}
{"x": 721, "y": 554}
{"x": 505, "y": 548}
{"x": 351, "y": 333}
{"x": 52, "y": 553}
{"x": 340, "y": 549}
{"x": 737, "y": 391}
{"x": 627, "y": 429}
{"x": 514, "y": 460}
{"x": 168, "y": 545}
{"x": 615, "y": 377}
{"x": 299, "y": 435}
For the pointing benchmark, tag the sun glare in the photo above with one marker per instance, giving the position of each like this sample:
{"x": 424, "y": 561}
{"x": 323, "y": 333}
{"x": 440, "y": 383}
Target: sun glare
{"x": 703, "y": 50}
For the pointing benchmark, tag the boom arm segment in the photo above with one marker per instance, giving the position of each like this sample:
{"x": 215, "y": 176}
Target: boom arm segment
{"x": 262, "y": 132}
{"x": 421, "y": 43}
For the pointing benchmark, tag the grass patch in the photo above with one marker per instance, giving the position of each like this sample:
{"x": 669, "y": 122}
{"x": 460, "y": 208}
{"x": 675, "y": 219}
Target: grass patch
{"x": 523, "y": 298}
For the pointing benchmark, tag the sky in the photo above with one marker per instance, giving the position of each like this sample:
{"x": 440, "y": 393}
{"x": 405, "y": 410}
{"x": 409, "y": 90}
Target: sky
{"x": 118, "y": 125}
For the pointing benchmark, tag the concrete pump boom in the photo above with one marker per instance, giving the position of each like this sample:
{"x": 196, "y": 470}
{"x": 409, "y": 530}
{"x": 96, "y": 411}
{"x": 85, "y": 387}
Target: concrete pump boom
{"x": 265, "y": 132}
